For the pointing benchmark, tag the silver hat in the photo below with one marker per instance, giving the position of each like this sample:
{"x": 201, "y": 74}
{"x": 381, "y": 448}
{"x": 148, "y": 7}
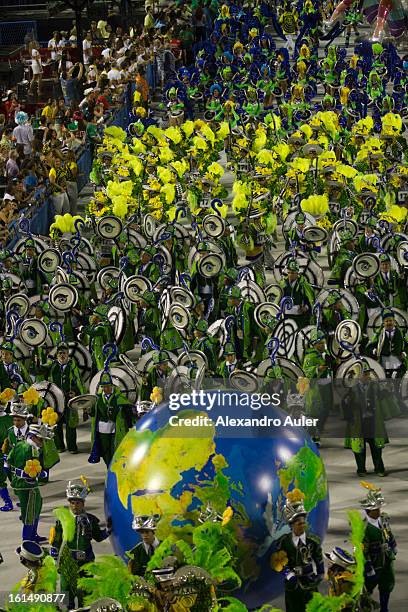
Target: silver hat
{"x": 375, "y": 498}
{"x": 145, "y": 522}
{"x": 76, "y": 491}
{"x": 41, "y": 431}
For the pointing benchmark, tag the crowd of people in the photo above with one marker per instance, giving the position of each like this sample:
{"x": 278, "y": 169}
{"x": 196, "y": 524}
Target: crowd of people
{"x": 170, "y": 280}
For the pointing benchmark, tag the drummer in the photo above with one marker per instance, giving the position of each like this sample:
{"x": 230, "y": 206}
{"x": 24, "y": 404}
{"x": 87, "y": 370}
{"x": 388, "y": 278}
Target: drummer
{"x": 389, "y": 286}
{"x": 367, "y": 241}
{"x": 64, "y": 373}
{"x": 333, "y": 312}
{"x": 299, "y": 289}
{"x": 296, "y": 232}
{"x": 389, "y": 346}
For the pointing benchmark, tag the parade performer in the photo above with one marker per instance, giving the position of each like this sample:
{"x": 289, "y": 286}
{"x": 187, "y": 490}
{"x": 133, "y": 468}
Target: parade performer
{"x": 380, "y": 547}
{"x": 365, "y": 409}
{"x": 26, "y": 465}
{"x": 71, "y": 539}
{"x": 144, "y": 550}
{"x": 297, "y": 551}
{"x": 41, "y": 574}
{"x": 65, "y": 374}
{"x": 6, "y": 421}
{"x": 111, "y": 419}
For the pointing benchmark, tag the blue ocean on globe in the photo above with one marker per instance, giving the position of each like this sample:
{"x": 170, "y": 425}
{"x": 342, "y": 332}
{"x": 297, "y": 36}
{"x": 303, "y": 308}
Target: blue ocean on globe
{"x": 175, "y": 472}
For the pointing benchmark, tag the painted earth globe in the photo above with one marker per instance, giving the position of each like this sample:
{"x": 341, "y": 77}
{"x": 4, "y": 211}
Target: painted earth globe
{"x": 167, "y": 466}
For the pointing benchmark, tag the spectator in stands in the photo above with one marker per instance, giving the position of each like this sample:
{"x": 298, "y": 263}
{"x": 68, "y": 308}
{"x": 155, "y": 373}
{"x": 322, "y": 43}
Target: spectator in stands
{"x": 58, "y": 182}
{"x": 50, "y": 110}
{"x": 12, "y": 168}
{"x": 105, "y": 98}
{"x": 23, "y": 134}
{"x": 70, "y": 83}
{"x": 71, "y": 178}
{"x": 11, "y": 106}
{"x": 92, "y": 134}
{"x": 8, "y": 213}
{"x": 52, "y": 141}
{"x": 36, "y": 68}
{"x": 55, "y": 46}
{"x": 149, "y": 19}
{"x": 142, "y": 87}
{"x": 87, "y": 105}
{"x": 114, "y": 75}
{"x": 59, "y": 116}
{"x": 102, "y": 27}
{"x": 92, "y": 75}
{"x": 87, "y": 48}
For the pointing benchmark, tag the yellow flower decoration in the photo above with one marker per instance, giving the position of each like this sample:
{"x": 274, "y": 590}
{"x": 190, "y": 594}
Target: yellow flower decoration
{"x": 366, "y": 181}
{"x": 7, "y": 395}
{"x": 52, "y": 535}
{"x": 215, "y": 169}
{"x": 279, "y": 560}
{"x": 31, "y": 396}
{"x": 32, "y": 468}
{"x": 369, "y": 486}
{"x": 346, "y": 171}
{"x": 296, "y": 495}
{"x": 49, "y": 416}
{"x": 315, "y": 204}
{"x": 301, "y": 164}
{"x": 302, "y": 385}
{"x": 156, "y": 395}
{"x": 227, "y": 516}
{"x": 397, "y": 213}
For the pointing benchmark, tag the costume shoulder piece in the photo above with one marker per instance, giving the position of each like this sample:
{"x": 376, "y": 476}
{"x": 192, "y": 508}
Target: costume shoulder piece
{"x": 314, "y": 538}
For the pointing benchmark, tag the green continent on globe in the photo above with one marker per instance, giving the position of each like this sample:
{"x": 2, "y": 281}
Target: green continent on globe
{"x": 147, "y": 474}
{"x": 305, "y": 471}
{"x": 137, "y": 471}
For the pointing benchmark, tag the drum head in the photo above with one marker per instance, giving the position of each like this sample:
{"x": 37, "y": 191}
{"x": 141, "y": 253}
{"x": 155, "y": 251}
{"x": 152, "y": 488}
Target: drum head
{"x": 82, "y": 357}
{"x": 349, "y": 369}
{"x": 49, "y": 260}
{"x": 211, "y": 265}
{"x": 109, "y": 227}
{"x": 82, "y": 402}
{"x": 179, "y": 316}
{"x": 135, "y": 286}
{"x": 244, "y": 381}
{"x": 106, "y": 274}
{"x": 315, "y": 234}
{"x": 182, "y": 296}
{"x": 20, "y": 303}
{"x": 286, "y": 331}
{"x": 33, "y": 332}
{"x": 128, "y": 383}
{"x": 52, "y": 395}
{"x": 149, "y": 226}
{"x": 117, "y": 319}
{"x": 348, "y": 332}
{"x": 366, "y": 265}
{"x": 63, "y": 297}
{"x": 193, "y": 358}
{"x": 214, "y": 226}
{"x": 251, "y": 291}
{"x": 303, "y": 342}
{"x": 273, "y": 293}
{"x": 264, "y": 313}
{"x": 348, "y": 300}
